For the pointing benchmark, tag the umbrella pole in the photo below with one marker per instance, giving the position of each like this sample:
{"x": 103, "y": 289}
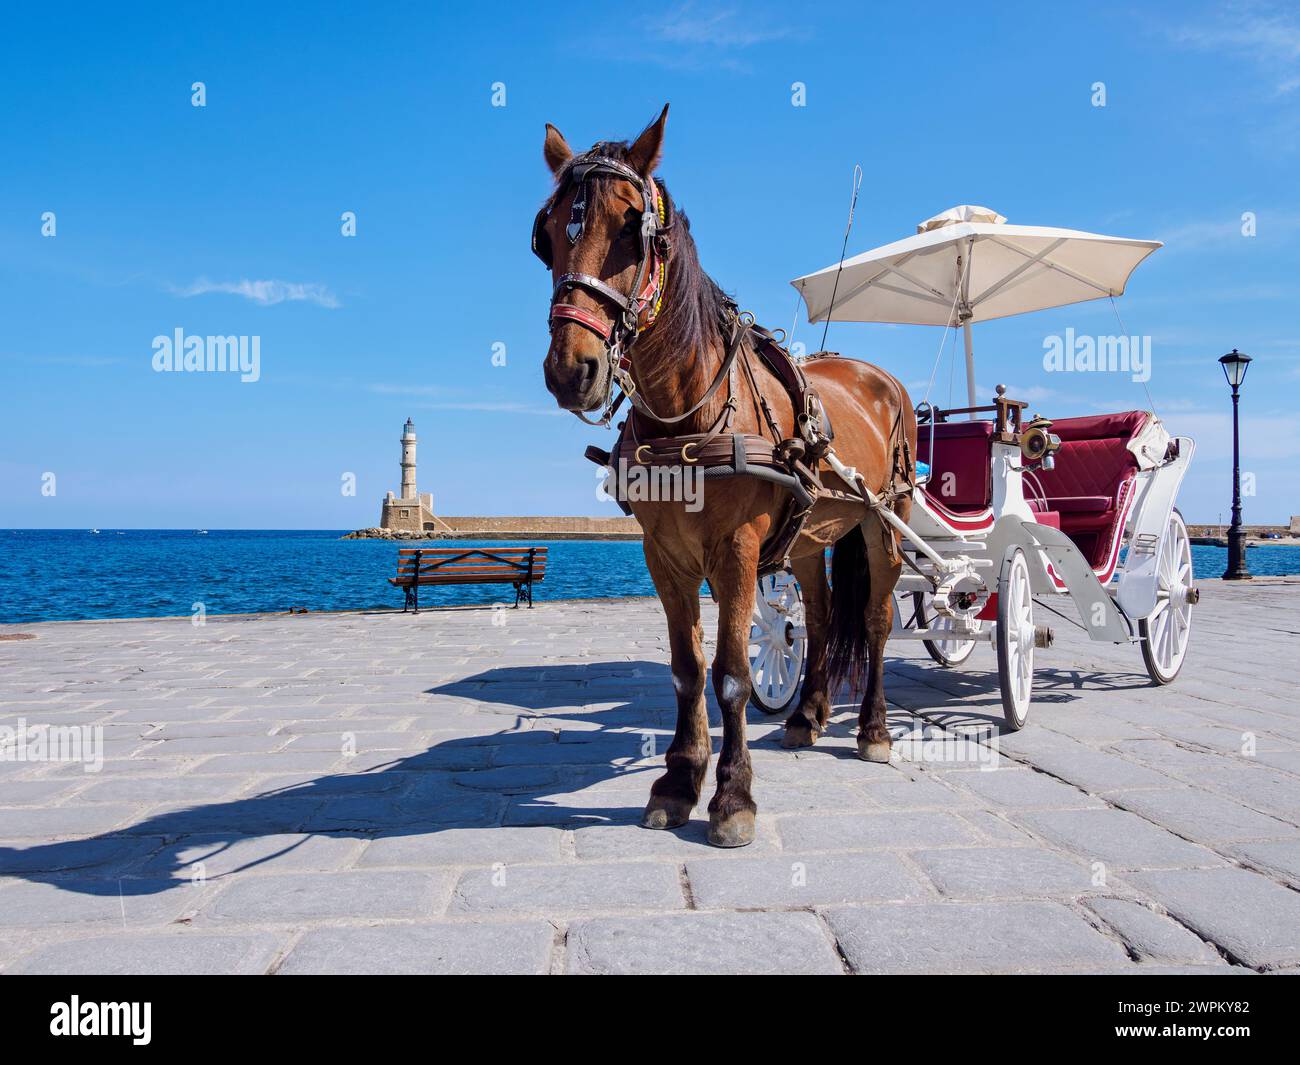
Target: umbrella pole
{"x": 970, "y": 369}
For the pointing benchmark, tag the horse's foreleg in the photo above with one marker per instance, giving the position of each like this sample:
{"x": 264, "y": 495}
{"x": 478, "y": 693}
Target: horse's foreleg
{"x": 873, "y": 732}
{"x": 732, "y": 809}
{"x": 675, "y": 794}
{"x": 814, "y": 710}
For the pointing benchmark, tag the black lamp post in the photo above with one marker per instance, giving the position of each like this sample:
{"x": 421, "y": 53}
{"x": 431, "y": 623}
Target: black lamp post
{"x": 1234, "y": 366}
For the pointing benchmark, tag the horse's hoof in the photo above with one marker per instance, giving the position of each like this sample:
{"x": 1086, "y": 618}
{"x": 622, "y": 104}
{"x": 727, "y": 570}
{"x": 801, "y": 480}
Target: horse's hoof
{"x": 665, "y": 813}
{"x": 736, "y": 831}
{"x": 873, "y": 752}
{"x": 799, "y": 736}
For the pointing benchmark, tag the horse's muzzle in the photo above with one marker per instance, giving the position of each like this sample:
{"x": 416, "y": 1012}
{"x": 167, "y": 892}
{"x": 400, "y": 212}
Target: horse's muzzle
{"x": 578, "y": 381}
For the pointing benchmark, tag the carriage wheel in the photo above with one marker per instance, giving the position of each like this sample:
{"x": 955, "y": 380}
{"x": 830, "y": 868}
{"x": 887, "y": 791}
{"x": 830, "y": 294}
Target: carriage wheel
{"x": 1165, "y": 633}
{"x": 913, "y": 611}
{"x": 1015, "y": 638}
{"x": 777, "y": 643}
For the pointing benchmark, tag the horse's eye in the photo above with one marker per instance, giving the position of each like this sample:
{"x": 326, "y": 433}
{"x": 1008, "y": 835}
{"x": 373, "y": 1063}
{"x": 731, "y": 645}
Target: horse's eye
{"x": 630, "y": 229}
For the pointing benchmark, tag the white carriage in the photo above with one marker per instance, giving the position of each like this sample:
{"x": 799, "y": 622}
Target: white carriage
{"x": 1008, "y": 512}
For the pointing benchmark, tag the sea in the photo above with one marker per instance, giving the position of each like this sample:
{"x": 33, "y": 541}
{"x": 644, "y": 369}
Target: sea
{"x": 70, "y": 574}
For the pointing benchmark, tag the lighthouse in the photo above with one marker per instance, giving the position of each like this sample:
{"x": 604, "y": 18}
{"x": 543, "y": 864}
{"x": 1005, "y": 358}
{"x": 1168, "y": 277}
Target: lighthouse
{"x": 408, "y": 460}
{"x": 409, "y": 511}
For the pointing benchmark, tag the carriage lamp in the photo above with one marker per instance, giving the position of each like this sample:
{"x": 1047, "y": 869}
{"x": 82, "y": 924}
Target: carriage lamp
{"x": 1235, "y": 365}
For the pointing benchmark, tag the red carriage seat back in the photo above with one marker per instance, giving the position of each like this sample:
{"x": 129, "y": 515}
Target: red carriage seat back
{"x": 960, "y": 475}
{"x": 1090, "y": 485}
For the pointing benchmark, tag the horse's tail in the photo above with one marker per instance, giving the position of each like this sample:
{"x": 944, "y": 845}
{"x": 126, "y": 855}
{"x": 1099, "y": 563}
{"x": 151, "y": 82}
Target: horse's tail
{"x": 846, "y": 640}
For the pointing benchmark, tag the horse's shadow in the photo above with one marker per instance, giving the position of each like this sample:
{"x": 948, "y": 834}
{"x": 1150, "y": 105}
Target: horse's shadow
{"x": 586, "y": 745}
{"x": 590, "y": 764}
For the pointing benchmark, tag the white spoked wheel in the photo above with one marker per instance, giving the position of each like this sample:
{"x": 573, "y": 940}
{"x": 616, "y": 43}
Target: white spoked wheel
{"x": 777, "y": 643}
{"x": 913, "y": 610}
{"x": 1165, "y": 633}
{"x": 1015, "y": 638}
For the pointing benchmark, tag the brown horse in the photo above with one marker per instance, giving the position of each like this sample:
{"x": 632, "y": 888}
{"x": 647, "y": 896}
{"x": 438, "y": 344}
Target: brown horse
{"x": 592, "y": 231}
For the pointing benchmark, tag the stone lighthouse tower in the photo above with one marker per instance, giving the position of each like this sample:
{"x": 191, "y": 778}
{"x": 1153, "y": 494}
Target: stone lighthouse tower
{"x": 409, "y": 511}
{"x": 408, "y": 460}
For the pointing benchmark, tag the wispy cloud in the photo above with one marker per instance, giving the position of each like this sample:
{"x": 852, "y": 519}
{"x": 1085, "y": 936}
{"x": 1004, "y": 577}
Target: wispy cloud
{"x": 1226, "y": 231}
{"x": 406, "y": 390}
{"x": 1264, "y": 34}
{"x": 263, "y": 292}
{"x": 691, "y": 37}
{"x": 726, "y": 29}
{"x": 85, "y": 362}
{"x": 496, "y": 408}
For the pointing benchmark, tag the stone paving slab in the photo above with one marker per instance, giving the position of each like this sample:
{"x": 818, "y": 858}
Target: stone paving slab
{"x": 378, "y": 792}
{"x": 1255, "y": 921}
{"x": 712, "y": 943}
{"x": 520, "y": 948}
{"x": 1153, "y": 936}
{"x": 970, "y": 937}
{"x": 165, "y": 953}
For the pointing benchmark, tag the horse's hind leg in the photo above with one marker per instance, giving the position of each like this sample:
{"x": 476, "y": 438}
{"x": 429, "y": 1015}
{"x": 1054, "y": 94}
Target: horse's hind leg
{"x": 809, "y": 718}
{"x": 884, "y": 566}
{"x": 675, "y": 794}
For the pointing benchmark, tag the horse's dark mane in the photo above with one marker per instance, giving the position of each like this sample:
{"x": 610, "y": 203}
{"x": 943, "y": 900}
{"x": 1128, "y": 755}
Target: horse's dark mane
{"x": 694, "y": 307}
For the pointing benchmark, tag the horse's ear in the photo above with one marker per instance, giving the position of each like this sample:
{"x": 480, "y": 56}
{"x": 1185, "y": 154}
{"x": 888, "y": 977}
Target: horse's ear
{"x": 555, "y": 149}
{"x": 649, "y": 147}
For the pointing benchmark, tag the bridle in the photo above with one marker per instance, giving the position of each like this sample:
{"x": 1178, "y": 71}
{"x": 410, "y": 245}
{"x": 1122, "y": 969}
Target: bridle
{"x": 638, "y": 309}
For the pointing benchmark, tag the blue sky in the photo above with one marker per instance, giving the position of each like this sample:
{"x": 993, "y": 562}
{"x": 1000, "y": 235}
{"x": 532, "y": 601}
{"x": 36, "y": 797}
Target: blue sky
{"x": 225, "y": 220}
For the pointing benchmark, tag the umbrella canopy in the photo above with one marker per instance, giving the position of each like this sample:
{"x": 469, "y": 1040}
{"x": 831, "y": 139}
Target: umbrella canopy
{"x": 967, "y": 265}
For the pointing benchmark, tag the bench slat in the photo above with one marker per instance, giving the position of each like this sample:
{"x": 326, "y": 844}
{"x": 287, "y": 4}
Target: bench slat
{"x": 520, "y": 575}
{"x": 468, "y": 566}
{"x": 444, "y": 551}
{"x": 502, "y": 578}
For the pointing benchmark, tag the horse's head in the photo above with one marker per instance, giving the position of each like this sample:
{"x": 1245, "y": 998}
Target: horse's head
{"x": 603, "y": 236}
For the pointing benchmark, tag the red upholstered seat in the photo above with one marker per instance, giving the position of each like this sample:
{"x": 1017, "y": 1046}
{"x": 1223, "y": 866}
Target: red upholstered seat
{"x": 1044, "y": 516}
{"x": 960, "y": 474}
{"x": 1093, "y": 477}
{"x": 1101, "y": 426}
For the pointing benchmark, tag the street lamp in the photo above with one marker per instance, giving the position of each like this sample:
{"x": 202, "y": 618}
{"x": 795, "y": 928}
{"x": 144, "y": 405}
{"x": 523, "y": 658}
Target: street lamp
{"x": 1234, "y": 366}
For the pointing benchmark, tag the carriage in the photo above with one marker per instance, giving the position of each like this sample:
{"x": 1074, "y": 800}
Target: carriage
{"x": 1009, "y": 511}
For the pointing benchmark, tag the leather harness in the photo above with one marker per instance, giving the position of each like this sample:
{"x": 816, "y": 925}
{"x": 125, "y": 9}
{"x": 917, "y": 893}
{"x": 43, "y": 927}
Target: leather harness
{"x": 790, "y": 462}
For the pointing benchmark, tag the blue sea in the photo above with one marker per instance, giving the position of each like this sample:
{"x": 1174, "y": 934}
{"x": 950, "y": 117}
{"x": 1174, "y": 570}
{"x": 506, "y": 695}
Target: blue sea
{"x": 70, "y": 574}
{"x": 66, "y": 574}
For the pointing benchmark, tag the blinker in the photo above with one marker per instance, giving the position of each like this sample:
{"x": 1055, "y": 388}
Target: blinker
{"x": 577, "y": 215}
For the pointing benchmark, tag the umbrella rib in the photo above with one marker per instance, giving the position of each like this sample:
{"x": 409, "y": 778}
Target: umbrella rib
{"x": 845, "y": 297}
{"x": 993, "y": 289}
{"x": 1081, "y": 278}
{"x": 939, "y": 296}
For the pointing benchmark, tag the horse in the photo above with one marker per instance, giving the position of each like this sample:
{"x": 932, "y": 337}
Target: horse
{"x": 632, "y": 306}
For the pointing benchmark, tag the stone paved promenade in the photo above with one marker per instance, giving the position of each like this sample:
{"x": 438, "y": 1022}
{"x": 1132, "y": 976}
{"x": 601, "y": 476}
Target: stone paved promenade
{"x": 446, "y": 793}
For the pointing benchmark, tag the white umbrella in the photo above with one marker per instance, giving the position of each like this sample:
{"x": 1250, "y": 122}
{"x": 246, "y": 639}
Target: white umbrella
{"x": 967, "y": 265}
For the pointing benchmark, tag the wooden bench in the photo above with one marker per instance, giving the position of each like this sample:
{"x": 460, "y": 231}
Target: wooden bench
{"x": 519, "y": 566}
